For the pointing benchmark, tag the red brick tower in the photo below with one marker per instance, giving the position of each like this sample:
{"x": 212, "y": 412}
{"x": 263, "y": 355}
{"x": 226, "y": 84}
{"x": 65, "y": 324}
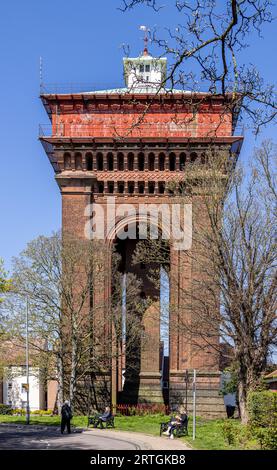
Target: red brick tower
{"x": 129, "y": 143}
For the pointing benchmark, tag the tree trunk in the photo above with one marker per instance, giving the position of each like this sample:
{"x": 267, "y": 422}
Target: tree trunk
{"x": 72, "y": 386}
{"x": 242, "y": 394}
{"x": 60, "y": 373}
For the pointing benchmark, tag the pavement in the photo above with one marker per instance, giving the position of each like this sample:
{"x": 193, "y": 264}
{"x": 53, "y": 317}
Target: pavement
{"x": 14, "y": 436}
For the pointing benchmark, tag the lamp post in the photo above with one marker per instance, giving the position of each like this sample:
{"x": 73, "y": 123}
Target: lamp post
{"x": 27, "y": 364}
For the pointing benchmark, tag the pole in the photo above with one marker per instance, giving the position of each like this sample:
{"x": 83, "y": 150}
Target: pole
{"x": 194, "y": 405}
{"x": 187, "y": 380}
{"x": 27, "y": 363}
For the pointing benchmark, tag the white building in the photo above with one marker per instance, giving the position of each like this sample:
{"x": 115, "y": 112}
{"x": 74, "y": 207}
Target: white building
{"x": 14, "y": 388}
{"x": 145, "y": 73}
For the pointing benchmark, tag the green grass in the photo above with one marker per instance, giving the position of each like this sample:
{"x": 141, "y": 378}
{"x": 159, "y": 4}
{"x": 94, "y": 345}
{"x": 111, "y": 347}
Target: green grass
{"x": 209, "y": 435}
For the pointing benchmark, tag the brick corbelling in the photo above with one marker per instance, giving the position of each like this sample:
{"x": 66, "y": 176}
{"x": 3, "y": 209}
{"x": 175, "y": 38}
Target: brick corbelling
{"x": 135, "y": 125}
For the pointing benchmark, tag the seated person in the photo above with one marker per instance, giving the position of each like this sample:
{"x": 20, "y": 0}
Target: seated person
{"x": 104, "y": 417}
{"x": 176, "y": 421}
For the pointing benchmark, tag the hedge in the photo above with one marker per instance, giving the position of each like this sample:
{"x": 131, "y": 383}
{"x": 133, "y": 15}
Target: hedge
{"x": 5, "y": 409}
{"x": 262, "y": 408}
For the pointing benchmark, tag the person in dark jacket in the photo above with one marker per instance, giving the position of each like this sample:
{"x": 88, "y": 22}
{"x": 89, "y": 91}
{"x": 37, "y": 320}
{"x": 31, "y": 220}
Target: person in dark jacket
{"x": 104, "y": 417}
{"x": 66, "y": 417}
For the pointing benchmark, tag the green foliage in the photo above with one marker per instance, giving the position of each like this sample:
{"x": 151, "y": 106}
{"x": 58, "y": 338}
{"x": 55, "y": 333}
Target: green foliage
{"x": 230, "y": 385}
{"x": 262, "y": 409}
{"x": 5, "y": 284}
{"x": 229, "y": 431}
{"x": 5, "y": 409}
{"x": 267, "y": 437}
{"x": 22, "y": 412}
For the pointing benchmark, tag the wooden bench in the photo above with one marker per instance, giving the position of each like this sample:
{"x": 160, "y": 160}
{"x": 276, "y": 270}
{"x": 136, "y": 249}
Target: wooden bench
{"x": 92, "y": 420}
{"x": 180, "y": 429}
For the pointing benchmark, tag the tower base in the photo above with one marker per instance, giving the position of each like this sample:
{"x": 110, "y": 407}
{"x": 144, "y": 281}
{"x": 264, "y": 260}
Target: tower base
{"x": 209, "y": 401}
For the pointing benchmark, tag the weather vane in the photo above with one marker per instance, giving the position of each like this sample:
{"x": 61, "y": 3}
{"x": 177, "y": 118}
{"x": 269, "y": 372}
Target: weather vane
{"x": 145, "y": 39}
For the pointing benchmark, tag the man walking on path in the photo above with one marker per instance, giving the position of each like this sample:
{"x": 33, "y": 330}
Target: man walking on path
{"x": 66, "y": 417}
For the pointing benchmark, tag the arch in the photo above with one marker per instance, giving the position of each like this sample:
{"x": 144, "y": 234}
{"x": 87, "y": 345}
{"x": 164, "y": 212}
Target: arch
{"x": 119, "y": 226}
{"x": 78, "y": 161}
{"x": 141, "y": 161}
{"x": 172, "y": 161}
{"x": 193, "y": 157}
{"x": 110, "y": 161}
{"x": 161, "y": 161}
{"x": 151, "y": 161}
{"x": 131, "y": 161}
{"x": 120, "y": 161}
{"x": 204, "y": 158}
{"x": 67, "y": 161}
{"x": 183, "y": 158}
{"x": 89, "y": 162}
{"x": 99, "y": 161}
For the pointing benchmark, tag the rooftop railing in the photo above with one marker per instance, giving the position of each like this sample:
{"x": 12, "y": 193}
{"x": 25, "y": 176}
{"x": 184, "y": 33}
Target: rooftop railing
{"x": 162, "y": 129}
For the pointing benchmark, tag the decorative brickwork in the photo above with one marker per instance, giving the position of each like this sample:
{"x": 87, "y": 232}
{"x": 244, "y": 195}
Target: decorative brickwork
{"x": 99, "y": 147}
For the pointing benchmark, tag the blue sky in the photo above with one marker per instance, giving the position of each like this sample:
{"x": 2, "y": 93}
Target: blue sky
{"x": 80, "y": 42}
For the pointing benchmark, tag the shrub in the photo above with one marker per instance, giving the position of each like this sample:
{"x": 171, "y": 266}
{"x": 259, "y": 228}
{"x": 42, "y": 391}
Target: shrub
{"x": 229, "y": 432}
{"x": 267, "y": 437}
{"x": 19, "y": 411}
{"x": 41, "y": 412}
{"x": 262, "y": 409}
{"x": 5, "y": 409}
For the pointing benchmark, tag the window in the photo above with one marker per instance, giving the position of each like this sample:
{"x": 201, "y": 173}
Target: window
{"x": 172, "y": 161}
{"x": 131, "y": 162}
{"x": 161, "y": 162}
{"x": 100, "y": 188}
{"x": 141, "y": 162}
{"x": 10, "y": 385}
{"x": 121, "y": 187}
{"x": 151, "y": 162}
{"x": 99, "y": 160}
{"x": 161, "y": 187}
{"x": 78, "y": 162}
{"x": 147, "y": 68}
{"x": 120, "y": 162}
{"x": 141, "y": 68}
{"x": 193, "y": 157}
{"x": 141, "y": 188}
{"x": 89, "y": 162}
{"x": 151, "y": 187}
{"x": 67, "y": 161}
{"x": 110, "y": 161}
{"x": 182, "y": 161}
{"x": 131, "y": 188}
{"x": 111, "y": 187}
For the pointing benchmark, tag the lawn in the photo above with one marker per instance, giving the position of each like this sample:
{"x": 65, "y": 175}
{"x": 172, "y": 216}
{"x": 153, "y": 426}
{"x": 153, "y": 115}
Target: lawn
{"x": 209, "y": 435}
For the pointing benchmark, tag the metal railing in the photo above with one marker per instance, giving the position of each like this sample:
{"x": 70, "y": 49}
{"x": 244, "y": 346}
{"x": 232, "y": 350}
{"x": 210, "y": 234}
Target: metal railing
{"x": 162, "y": 129}
{"x": 71, "y": 88}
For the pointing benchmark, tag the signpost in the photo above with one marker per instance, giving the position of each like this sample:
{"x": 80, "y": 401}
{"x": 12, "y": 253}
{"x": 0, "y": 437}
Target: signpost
{"x": 194, "y": 405}
{"x": 27, "y": 387}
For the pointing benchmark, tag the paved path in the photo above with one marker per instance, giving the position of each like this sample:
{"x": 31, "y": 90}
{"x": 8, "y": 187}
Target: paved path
{"x": 49, "y": 437}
